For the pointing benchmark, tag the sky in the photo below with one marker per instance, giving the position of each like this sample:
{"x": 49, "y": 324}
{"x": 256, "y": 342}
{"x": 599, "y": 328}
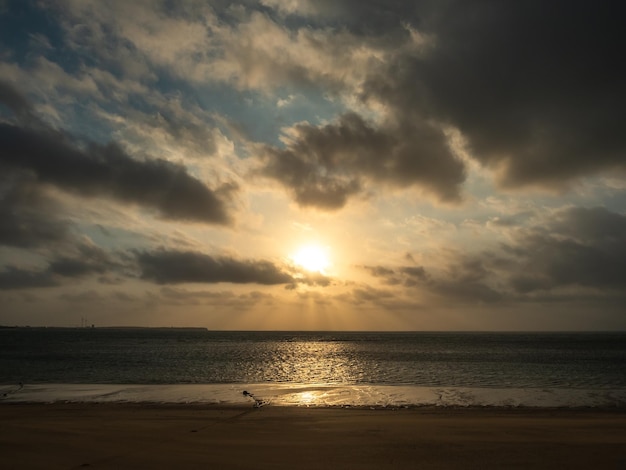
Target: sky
{"x": 313, "y": 164}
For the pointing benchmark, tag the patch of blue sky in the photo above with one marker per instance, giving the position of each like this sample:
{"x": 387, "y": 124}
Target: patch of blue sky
{"x": 28, "y": 32}
{"x": 261, "y": 116}
{"x": 111, "y": 237}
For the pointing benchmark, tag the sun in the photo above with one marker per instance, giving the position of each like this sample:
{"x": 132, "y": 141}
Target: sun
{"x": 313, "y": 258}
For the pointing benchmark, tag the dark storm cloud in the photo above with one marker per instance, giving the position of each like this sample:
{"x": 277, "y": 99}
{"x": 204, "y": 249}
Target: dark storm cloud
{"x": 27, "y": 216}
{"x": 577, "y": 248}
{"x": 536, "y": 89}
{"x": 465, "y": 279}
{"x": 12, "y": 277}
{"x": 107, "y": 170}
{"x": 469, "y": 279}
{"x": 324, "y": 166}
{"x": 88, "y": 259}
{"x": 172, "y": 267}
{"x": 70, "y": 267}
{"x": 595, "y": 225}
{"x": 14, "y": 101}
{"x": 583, "y": 247}
{"x": 84, "y": 261}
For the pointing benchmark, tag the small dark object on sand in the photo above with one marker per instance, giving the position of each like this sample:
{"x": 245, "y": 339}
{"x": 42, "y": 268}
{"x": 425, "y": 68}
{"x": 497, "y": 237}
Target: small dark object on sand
{"x": 20, "y": 386}
{"x": 258, "y": 403}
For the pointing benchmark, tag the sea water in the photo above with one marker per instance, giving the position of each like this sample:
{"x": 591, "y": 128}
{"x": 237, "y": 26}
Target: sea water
{"x": 313, "y": 368}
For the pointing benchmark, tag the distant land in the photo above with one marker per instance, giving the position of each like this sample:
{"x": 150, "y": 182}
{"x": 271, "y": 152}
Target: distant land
{"x": 91, "y": 327}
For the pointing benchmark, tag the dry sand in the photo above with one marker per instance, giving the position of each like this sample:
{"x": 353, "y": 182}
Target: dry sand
{"x": 127, "y": 436}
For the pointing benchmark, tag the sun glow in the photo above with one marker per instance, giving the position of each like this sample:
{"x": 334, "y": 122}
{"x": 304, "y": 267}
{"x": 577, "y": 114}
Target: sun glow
{"x": 312, "y": 258}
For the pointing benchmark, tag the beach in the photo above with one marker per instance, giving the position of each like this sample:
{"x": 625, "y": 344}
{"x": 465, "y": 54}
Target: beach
{"x": 149, "y": 436}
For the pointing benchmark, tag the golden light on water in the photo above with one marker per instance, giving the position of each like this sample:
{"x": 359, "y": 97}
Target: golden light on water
{"x": 307, "y": 398}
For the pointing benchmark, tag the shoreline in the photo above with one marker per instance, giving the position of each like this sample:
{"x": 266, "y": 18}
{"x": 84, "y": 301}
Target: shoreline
{"x": 157, "y": 435}
{"x": 391, "y": 408}
{"x": 444, "y": 411}
{"x": 318, "y": 395}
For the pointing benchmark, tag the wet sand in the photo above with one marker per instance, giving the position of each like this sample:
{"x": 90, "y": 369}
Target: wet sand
{"x": 131, "y": 436}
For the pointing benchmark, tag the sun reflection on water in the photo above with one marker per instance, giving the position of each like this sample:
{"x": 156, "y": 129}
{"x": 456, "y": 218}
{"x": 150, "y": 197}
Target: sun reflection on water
{"x": 318, "y": 362}
{"x": 306, "y": 398}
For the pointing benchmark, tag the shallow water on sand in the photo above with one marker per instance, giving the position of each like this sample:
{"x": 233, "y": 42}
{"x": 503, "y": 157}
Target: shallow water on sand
{"x": 378, "y": 396}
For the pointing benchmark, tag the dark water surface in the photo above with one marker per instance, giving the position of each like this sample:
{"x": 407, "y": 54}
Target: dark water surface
{"x": 179, "y": 356}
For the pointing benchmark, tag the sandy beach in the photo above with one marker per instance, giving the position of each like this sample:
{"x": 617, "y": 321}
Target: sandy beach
{"x": 108, "y": 436}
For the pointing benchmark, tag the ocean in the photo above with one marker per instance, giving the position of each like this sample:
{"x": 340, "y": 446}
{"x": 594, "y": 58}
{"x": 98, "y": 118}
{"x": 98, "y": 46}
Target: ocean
{"x": 313, "y": 368}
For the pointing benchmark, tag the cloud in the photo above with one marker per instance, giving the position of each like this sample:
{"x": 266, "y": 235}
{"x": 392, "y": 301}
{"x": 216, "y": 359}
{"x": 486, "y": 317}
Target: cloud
{"x": 258, "y": 52}
{"x": 167, "y": 123}
{"x": 80, "y": 259}
{"x": 29, "y": 216}
{"x": 581, "y": 247}
{"x": 88, "y": 296}
{"x": 324, "y": 166}
{"x": 464, "y": 279}
{"x": 185, "y": 296}
{"x": 336, "y": 103}
{"x": 570, "y": 254}
{"x": 595, "y": 225}
{"x": 370, "y": 294}
{"x": 301, "y": 276}
{"x": 173, "y": 267}
{"x": 147, "y": 118}
{"x": 468, "y": 279}
{"x": 134, "y": 35}
{"x": 379, "y": 271}
{"x": 108, "y": 171}
{"x": 540, "y": 109}
{"x": 415, "y": 274}
{"x": 14, "y": 101}
{"x": 536, "y": 92}
{"x": 222, "y": 299}
{"x": 12, "y": 277}
{"x": 88, "y": 259}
